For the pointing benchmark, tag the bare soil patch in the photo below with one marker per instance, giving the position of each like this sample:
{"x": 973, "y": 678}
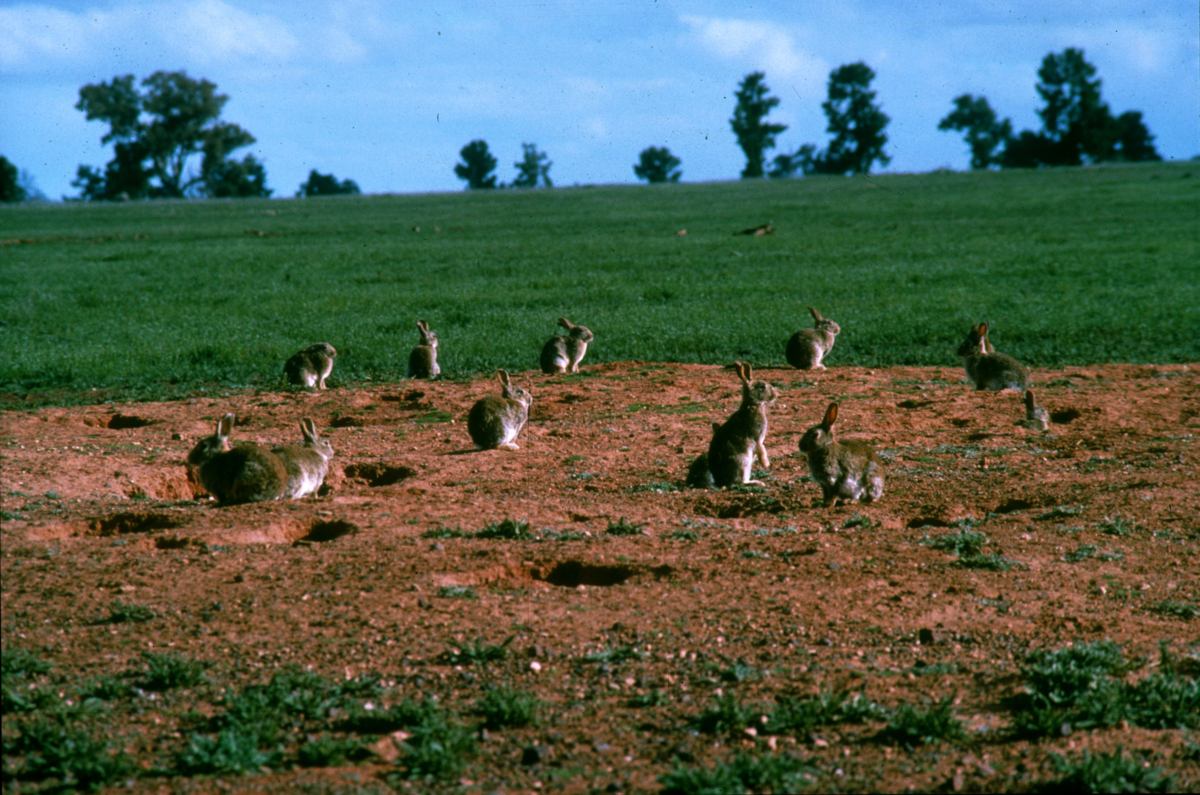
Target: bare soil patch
{"x": 754, "y": 593}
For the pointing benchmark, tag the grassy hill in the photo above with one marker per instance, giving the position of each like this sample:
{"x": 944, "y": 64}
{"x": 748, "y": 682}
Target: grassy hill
{"x": 1070, "y": 266}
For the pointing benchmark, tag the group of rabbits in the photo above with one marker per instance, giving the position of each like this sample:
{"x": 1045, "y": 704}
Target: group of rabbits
{"x": 846, "y": 470}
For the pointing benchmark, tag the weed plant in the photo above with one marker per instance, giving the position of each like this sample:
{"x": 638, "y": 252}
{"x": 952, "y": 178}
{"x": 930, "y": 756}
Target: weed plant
{"x": 170, "y": 671}
{"x": 623, "y": 528}
{"x": 1106, "y": 773}
{"x": 477, "y": 653}
{"x": 125, "y": 299}
{"x": 504, "y": 707}
{"x": 911, "y": 726}
{"x": 743, "y": 773}
{"x": 507, "y": 530}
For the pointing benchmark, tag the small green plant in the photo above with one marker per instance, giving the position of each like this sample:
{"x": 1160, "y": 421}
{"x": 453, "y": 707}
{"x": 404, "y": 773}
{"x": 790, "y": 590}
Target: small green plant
{"x": 233, "y": 750}
{"x": 651, "y": 698}
{"x": 683, "y": 535}
{"x": 326, "y": 751}
{"x": 477, "y": 653}
{"x": 910, "y": 726}
{"x": 17, "y": 662}
{"x": 987, "y": 563}
{"x": 859, "y": 520}
{"x": 69, "y": 754}
{"x": 963, "y": 542}
{"x": 1171, "y": 608}
{"x": 442, "y": 531}
{"x": 1118, "y": 526}
{"x": 743, "y": 773}
{"x": 127, "y": 613}
{"x": 1088, "y": 551}
{"x": 614, "y": 655}
{"x": 623, "y": 528}
{"x": 502, "y": 707}
{"x": 740, "y": 671}
{"x": 105, "y": 688}
{"x": 726, "y": 715}
{"x": 456, "y": 592}
{"x": 802, "y": 716}
{"x": 169, "y": 671}
{"x": 656, "y": 486}
{"x": 1106, "y": 773}
{"x": 507, "y": 530}
{"x": 754, "y": 554}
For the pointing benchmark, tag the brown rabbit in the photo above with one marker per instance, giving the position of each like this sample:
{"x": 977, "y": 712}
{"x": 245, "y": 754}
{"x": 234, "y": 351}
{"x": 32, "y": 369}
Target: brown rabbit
{"x": 988, "y": 370}
{"x": 311, "y": 366}
{"x": 422, "y": 362}
{"x": 306, "y": 463}
{"x": 808, "y": 346}
{"x": 739, "y": 440}
{"x": 845, "y": 470}
{"x": 495, "y": 420}
{"x": 563, "y": 354}
{"x": 245, "y": 473}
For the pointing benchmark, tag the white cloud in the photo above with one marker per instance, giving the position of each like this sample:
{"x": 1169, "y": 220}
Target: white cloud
{"x": 40, "y": 39}
{"x": 767, "y": 47}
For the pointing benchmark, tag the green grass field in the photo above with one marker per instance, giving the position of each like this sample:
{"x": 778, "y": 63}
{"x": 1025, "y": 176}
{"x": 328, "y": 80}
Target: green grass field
{"x": 1071, "y": 266}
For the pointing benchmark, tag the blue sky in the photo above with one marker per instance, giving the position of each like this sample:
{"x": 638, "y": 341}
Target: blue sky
{"x": 387, "y": 93}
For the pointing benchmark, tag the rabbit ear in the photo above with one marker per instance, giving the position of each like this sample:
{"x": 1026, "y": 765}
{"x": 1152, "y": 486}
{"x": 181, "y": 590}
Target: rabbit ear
{"x": 421, "y": 325}
{"x": 816, "y": 315}
{"x": 830, "y": 415}
{"x": 747, "y": 372}
{"x": 225, "y": 426}
{"x": 309, "y": 429}
{"x": 741, "y": 373}
{"x": 568, "y": 325}
{"x": 1029, "y": 401}
{"x": 503, "y": 376}
{"x": 983, "y": 329}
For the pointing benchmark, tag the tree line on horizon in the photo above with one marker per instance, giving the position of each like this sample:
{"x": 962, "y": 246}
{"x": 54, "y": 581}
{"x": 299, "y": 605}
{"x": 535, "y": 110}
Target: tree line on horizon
{"x": 157, "y": 132}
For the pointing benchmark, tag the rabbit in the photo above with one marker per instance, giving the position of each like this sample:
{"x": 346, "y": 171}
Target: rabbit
{"x": 1036, "y": 417}
{"x": 422, "y": 362}
{"x": 246, "y": 473}
{"x": 987, "y": 369}
{"x": 306, "y": 463}
{"x": 808, "y": 346}
{"x": 739, "y": 440}
{"x": 563, "y": 354}
{"x": 495, "y": 421}
{"x": 311, "y": 366}
{"x": 845, "y": 470}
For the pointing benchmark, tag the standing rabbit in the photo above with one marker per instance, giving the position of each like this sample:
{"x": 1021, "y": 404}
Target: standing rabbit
{"x": 245, "y": 473}
{"x": 563, "y": 354}
{"x": 495, "y": 420}
{"x": 845, "y": 470}
{"x": 311, "y": 366}
{"x": 739, "y": 440}
{"x": 306, "y": 463}
{"x": 987, "y": 369}
{"x": 422, "y": 362}
{"x": 808, "y": 346}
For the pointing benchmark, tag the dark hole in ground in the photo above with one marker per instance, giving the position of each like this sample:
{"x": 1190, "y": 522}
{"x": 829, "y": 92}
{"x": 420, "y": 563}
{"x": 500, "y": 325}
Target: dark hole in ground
{"x": 1012, "y": 506}
{"x": 573, "y": 573}
{"x": 171, "y": 542}
{"x": 322, "y": 531}
{"x": 914, "y": 404}
{"x": 1065, "y": 416}
{"x": 120, "y": 422}
{"x": 132, "y": 522}
{"x": 347, "y": 422}
{"x": 379, "y": 474}
{"x": 926, "y": 521}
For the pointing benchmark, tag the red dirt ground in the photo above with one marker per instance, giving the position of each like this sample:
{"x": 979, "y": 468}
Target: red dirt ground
{"x": 98, "y": 505}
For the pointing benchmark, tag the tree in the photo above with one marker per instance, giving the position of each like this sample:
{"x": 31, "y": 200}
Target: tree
{"x": 11, "y": 189}
{"x": 157, "y": 132}
{"x": 754, "y": 135}
{"x": 657, "y": 164}
{"x": 1076, "y": 122}
{"x": 983, "y": 132}
{"x": 856, "y": 123}
{"x": 1077, "y": 125}
{"x": 532, "y": 167}
{"x": 477, "y": 166}
{"x": 1132, "y": 141}
{"x": 319, "y": 184}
